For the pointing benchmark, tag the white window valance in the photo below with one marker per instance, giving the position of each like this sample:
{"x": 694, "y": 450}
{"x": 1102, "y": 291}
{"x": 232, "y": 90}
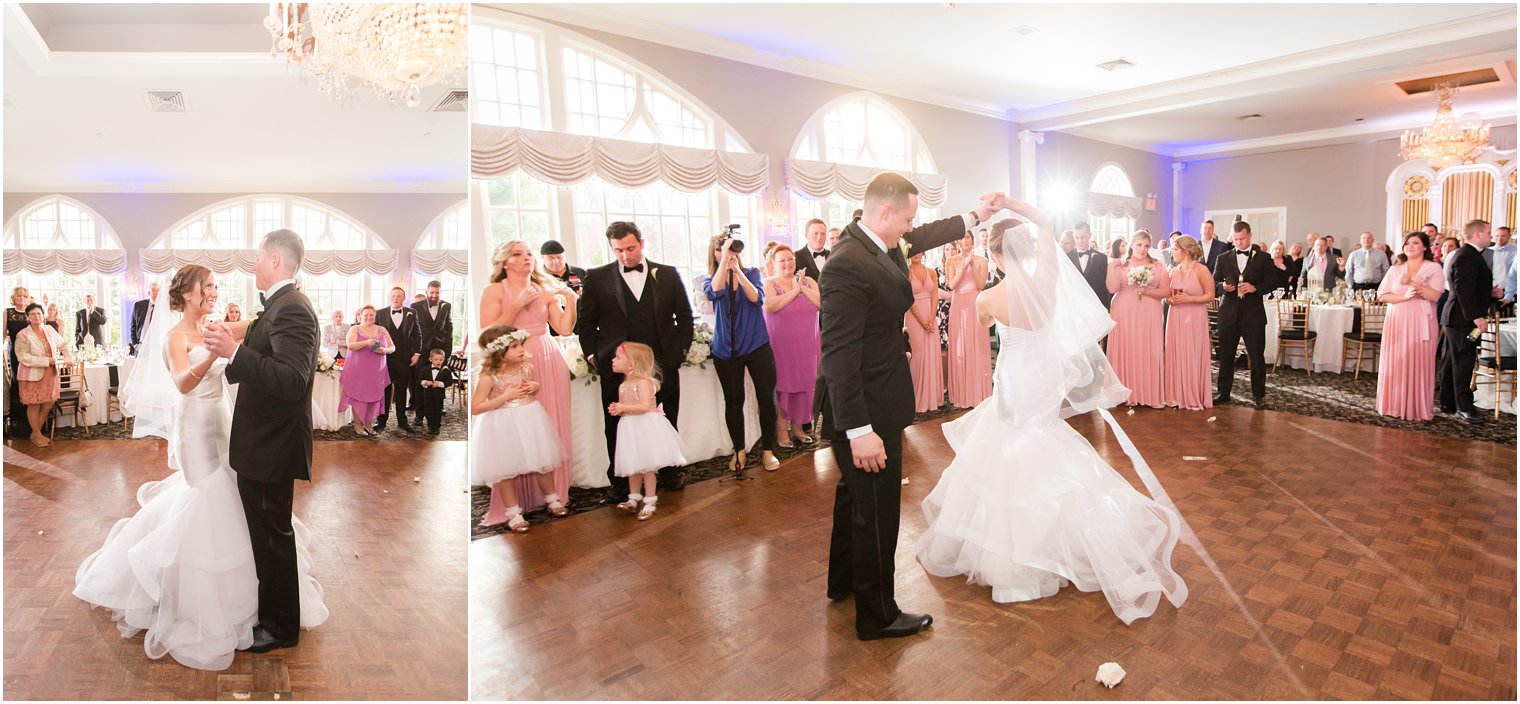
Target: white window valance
{"x": 568, "y": 159}
{"x": 224, "y": 261}
{"x": 1115, "y": 206}
{"x": 440, "y": 261}
{"x": 73, "y": 262}
{"x": 821, "y": 179}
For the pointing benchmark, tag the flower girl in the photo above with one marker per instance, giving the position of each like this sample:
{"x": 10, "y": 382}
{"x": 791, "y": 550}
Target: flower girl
{"x": 645, "y": 441}
{"x": 511, "y": 433}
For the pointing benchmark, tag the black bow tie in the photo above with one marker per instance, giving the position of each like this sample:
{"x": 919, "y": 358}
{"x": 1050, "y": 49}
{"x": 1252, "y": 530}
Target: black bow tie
{"x": 821, "y": 253}
{"x": 1243, "y": 252}
{"x": 436, "y": 368}
{"x": 636, "y": 267}
{"x": 395, "y": 311}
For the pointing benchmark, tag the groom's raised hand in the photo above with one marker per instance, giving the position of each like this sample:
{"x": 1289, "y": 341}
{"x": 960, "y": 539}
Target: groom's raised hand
{"x": 219, "y": 340}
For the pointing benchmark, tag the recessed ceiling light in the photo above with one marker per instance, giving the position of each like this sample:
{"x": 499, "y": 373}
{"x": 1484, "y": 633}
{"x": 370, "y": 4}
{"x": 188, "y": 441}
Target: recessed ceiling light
{"x": 1024, "y": 30}
{"x": 1116, "y": 65}
{"x": 1252, "y": 116}
{"x": 1359, "y": 119}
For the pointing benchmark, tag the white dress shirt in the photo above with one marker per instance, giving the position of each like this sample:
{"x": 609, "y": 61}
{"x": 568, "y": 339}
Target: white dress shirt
{"x": 635, "y": 279}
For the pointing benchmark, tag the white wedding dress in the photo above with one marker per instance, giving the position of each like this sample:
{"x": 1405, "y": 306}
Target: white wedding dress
{"x": 1027, "y": 506}
{"x": 181, "y": 568}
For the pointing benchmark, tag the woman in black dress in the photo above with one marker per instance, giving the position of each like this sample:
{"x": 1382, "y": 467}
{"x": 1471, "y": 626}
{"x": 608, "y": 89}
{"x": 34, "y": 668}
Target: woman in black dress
{"x": 15, "y": 322}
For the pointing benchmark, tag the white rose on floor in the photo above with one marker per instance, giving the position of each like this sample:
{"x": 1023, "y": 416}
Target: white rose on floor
{"x": 1110, "y": 674}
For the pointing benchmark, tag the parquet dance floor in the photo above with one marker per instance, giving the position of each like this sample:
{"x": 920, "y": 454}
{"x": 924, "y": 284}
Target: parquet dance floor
{"x": 1324, "y": 560}
{"x": 389, "y": 552}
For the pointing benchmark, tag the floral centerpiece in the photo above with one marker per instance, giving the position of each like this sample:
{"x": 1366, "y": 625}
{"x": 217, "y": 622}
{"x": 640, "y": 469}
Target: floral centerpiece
{"x": 326, "y": 365}
{"x": 1139, "y": 276}
{"x": 570, "y": 349}
{"x": 701, "y": 347}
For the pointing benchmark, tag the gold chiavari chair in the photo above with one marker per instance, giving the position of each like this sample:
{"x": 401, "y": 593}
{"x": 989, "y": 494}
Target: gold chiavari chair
{"x": 1293, "y": 331}
{"x": 1368, "y": 340}
{"x": 1493, "y": 367}
{"x": 71, "y": 388}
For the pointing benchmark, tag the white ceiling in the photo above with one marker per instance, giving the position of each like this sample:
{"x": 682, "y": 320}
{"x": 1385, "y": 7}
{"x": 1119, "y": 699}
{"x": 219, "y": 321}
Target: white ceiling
{"x": 76, "y": 117}
{"x": 1309, "y": 69}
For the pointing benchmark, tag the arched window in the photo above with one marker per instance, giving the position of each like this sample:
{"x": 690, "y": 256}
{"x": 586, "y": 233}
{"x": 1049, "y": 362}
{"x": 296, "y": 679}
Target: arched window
{"x": 1110, "y": 179}
{"x": 60, "y": 222}
{"x": 860, "y": 129}
{"x": 555, "y": 79}
{"x": 451, "y": 230}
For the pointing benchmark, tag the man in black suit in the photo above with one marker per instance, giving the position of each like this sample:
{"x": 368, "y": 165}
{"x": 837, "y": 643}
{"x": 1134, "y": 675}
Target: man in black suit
{"x": 635, "y": 300}
{"x": 142, "y": 312}
{"x": 1244, "y": 273}
{"x": 401, "y": 322}
{"x": 865, "y": 294}
{"x": 436, "y": 320}
{"x": 90, "y": 319}
{"x": 271, "y": 440}
{"x": 434, "y": 379}
{"x": 1211, "y": 245}
{"x": 1092, "y": 263}
{"x": 815, "y": 256}
{"x": 1467, "y": 305}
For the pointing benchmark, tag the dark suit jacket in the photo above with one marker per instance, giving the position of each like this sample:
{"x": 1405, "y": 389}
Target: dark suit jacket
{"x": 806, "y": 263}
{"x": 1471, "y": 292}
{"x": 445, "y": 375}
{"x": 1235, "y": 309}
{"x": 574, "y": 278}
{"x": 865, "y": 294}
{"x": 139, "y": 319}
{"x": 435, "y": 334}
{"x": 1212, "y": 250}
{"x": 275, "y": 368}
{"x": 603, "y": 322}
{"x": 407, "y": 337}
{"x": 94, "y": 324}
{"x": 1096, "y": 274}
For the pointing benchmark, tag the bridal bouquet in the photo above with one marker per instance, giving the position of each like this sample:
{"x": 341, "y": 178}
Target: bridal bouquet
{"x": 570, "y": 349}
{"x": 701, "y": 347}
{"x": 325, "y": 365}
{"x": 1140, "y": 276}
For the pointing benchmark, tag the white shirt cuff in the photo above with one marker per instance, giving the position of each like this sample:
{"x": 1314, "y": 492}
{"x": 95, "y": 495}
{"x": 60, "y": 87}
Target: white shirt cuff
{"x": 853, "y": 433}
{"x": 966, "y": 218}
{"x": 234, "y": 354}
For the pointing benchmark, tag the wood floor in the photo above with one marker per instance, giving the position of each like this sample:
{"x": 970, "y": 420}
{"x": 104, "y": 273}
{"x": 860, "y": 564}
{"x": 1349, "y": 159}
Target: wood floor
{"x": 389, "y": 551}
{"x": 1324, "y": 560}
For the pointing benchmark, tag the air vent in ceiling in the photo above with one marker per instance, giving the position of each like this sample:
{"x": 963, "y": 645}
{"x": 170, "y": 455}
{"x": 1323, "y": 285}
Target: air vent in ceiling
{"x": 1023, "y": 30}
{"x": 1461, "y": 79}
{"x": 454, "y": 101}
{"x": 166, "y": 101}
{"x": 1252, "y": 116}
{"x": 1116, "y": 65}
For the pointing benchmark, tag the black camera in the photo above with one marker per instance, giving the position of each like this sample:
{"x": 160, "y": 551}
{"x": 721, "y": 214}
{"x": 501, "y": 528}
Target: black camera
{"x": 731, "y": 233}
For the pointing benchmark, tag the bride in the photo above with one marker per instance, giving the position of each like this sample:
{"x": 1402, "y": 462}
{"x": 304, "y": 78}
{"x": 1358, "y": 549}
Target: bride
{"x": 181, "y": 569}
{"x": 1027, "y": 506}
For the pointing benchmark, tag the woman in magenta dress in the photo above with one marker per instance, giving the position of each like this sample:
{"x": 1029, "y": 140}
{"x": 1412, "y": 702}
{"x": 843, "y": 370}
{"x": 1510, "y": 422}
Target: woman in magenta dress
{"x": 364, "y": 375}
{"x": 1189, "y": 379}
{"x": 970, "y": 343}
{"x": 791, "y": 320}
{"x": 525, "y": 298}
{"x": 1135, "y": 343}
{"x": 1407, "y": 367}
{"x": 923, "y": 337}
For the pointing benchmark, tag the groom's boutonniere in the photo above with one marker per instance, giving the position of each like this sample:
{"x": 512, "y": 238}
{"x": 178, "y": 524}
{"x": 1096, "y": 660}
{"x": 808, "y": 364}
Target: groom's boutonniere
{"x": 653, "y": 272}
{"x": 905, "y": 247}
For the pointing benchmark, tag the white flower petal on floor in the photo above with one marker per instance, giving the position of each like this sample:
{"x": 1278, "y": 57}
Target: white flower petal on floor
{"x": 1110, "y": 674}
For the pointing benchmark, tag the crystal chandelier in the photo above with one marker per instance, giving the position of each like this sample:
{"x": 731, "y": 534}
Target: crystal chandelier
{"x": 1447, "y": 141}
{"x": 395, "y": 48}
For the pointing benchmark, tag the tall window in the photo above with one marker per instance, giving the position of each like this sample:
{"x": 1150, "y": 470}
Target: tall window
{"x": 861, "y": 130}
{"x": 586, "y": 89}
{"x": 1110, "y": 180}
{"x": 450, "y": 231}
{"x": 67, "y": 291}
{"x": 59, "y": 222}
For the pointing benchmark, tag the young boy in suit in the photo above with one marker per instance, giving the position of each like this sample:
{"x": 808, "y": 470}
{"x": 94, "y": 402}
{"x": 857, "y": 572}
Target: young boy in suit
{"x": 435, "y": 380}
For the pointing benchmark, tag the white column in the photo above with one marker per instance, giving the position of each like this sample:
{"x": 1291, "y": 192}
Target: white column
{"x": 1027, "y": 142}
{"x": 1177, "y": 168}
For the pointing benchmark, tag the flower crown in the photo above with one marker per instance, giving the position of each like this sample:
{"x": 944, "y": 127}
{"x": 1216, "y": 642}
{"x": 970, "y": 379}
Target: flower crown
{"x": 507, "y": 340}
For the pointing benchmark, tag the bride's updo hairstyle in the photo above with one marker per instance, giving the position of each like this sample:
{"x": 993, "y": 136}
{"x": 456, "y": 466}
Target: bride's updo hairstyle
{"x": 188, "y": 278}
{"x": 1003, "y": 229}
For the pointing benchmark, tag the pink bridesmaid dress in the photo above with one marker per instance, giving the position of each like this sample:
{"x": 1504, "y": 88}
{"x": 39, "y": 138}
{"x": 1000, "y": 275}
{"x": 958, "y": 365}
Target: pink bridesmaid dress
{"x": 1189, "y": 378}
{"x": 1407, "y": 365}
{"x": 928, "y": 380}
{"x": 553, "y": 376}
{"x": 1135, "y": 343}
{"x": 970, "y": 345}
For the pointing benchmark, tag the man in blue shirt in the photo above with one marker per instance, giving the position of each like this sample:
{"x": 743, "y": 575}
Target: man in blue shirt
{"x": 1366, "y": 266}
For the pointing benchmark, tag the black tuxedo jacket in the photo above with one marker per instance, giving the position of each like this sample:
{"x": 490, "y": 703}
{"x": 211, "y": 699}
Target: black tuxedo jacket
{"x": 865, "y": 294}
{"x": 275, "y": 368}
{"x": 1096, "y": 274}
{"x": 407, "y": 337}
{"x": 806, "y": 263}
{"x": 603, "y": 311}
{"x": 434, "y": 334}
{"x": 1470, "y": 294}
{"x": 1212, "y": 250}
{"x": 139, "y": 319}
{"x": 1260, "y": 272}
{"x": 445, "y": 375}
{"x": 94, "y": 323}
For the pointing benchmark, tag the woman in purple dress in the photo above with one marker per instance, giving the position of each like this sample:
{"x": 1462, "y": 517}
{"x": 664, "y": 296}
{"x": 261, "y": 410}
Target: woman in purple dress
{"x": 364, "y": 375}
{"x": 791, "y": 319}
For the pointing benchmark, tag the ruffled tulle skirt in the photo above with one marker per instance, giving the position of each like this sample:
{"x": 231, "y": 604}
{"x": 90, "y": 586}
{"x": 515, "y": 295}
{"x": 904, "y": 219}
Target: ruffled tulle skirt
{"x": 512, "y": 441}
{"x": 647, "y": 442}
{"x": 1028, "y": 510}
{"x": 181, "y": 571}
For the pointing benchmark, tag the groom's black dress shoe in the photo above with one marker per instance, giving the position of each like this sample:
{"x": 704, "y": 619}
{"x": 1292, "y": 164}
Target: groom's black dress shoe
{"x": 1260, "y": 403}
{"x": 906, "y": 625}
{"x": 264, "y": 642}
{"x": 841, "y": 596}
{"x": 1221, "y": 400}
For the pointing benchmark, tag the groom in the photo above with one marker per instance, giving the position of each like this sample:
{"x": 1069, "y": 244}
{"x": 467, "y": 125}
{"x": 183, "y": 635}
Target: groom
{"x": 866, "y": 293}
{"x": 271, "y": 428}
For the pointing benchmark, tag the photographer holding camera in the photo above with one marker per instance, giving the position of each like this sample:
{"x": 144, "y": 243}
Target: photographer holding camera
{"x": 741, "y": 343}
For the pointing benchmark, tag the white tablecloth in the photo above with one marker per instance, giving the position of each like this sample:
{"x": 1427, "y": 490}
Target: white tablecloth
{"x": 700, "y": 424}
{"x": 1483, "y": 396}
{"x": 97, "y": 378}
{"x": 1332, "y": 322}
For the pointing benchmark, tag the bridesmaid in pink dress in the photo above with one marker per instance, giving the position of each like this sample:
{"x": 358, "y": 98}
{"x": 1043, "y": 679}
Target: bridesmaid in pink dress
{"x": 1189, "y": 379}
{"x": 525, "y": 298}
{"x": 1407, "y": 367}
{"x": 923, "y": 337}
{"x": 1135, "y": 343}
{"x": 970, "y": 344}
